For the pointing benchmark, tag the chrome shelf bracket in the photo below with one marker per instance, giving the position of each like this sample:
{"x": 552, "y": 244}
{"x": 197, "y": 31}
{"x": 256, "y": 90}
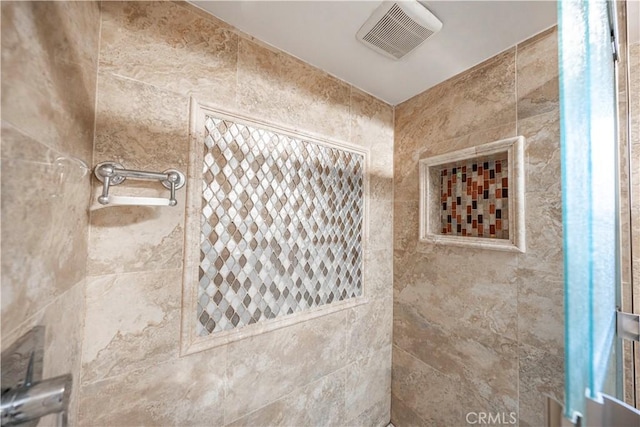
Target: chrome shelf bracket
{"x": 113, "y": 173}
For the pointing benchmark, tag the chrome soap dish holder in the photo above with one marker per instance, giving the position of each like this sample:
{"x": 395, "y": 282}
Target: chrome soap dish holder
{"x": 113, "y": 173}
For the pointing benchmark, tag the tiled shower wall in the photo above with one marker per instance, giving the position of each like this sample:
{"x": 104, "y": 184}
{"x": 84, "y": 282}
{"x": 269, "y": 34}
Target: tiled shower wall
{"x": 331, "y": 370}
{"x": 475, "y": 329}
{"x": 634, "y": 111}
{"x": 49, "y": 60}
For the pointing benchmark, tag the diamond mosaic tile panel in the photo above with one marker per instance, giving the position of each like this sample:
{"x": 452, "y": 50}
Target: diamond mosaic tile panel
{"x": 474, "y": 197}
{"x": 281, "y": 226}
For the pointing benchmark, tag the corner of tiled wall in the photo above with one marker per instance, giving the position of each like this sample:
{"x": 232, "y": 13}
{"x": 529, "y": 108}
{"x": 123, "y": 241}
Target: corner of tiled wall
{"x": 49, "y": 65}
{"x": 335, "y": 369}
{"x": 483, "y": 328}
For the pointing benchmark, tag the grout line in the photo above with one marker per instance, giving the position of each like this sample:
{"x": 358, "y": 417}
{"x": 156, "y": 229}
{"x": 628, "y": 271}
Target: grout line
{"x": 515, "y": 81}
{"x": 129, "y": 273}
{"x": 296, "y": 390}
{"x": 90, "y": 213}
{"x": 41, "y": 310}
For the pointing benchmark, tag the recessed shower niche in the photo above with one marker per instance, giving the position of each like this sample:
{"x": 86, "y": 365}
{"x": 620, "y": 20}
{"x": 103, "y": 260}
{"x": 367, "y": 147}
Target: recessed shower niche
{"x": 474, "y": 197}
{"x": 275, "y": 228}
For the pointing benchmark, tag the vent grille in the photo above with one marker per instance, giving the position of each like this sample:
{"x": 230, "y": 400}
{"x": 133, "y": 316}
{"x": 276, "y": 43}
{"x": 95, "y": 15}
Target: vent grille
{"x": 395, "y": 33}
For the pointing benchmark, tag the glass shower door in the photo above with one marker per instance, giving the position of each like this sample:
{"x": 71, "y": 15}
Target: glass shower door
{"x": 590, "y": 201}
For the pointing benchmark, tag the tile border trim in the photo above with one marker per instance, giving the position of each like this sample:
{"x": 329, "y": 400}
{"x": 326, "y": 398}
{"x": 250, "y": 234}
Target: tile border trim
{"x": 189, "y": 341}
{"x": 430, "y": 206}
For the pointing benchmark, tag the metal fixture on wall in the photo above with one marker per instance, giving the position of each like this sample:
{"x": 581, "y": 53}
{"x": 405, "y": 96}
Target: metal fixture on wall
{"x": 112, "y": 173}
{"x": 25, "y": 396}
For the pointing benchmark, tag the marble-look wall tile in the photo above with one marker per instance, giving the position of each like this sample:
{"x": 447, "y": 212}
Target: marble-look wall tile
{"x": 372, "y": 127}
{"x": 63, "y": 338}
{"x": 170, "y": 47}
{"x": 121, "y": 337}
{"x": 144, "y": 128}
{"x": 42, "y": 256}
{"x": 406, "y": 170}
{"x": 485, "y": 370}
{"x": 269, "y": 366}
{"x": 406, "y": 222}
{"x": 542, "y": 153}
{"x": 369, "y": 382}
{"x": 184, "y": 391}
{"x": 402, "y": 415}
{"x": 433, "y": 396}
{"x": 136, "y": 238}
{"x": 140, "y": 126}
{"x": 378, "y": 274}
{"x": 282, "y": 89}
{"x": 540, "y": 374}
{"x": 540, "y": 311}
{"x": 543, "y": 226}
{"x": 153, "y": 55}
{"x": 49, "y": 54}
{"x": 369, "y": 328}
{"x": 321, "y": 403}
{"x": 18, "y": 146}
{"x": 377, "y": 415}
{"x": 481, "y": 98}
{"x": 537, "y": 74}
{"x": 476, "y": 306}
{"x": 380, "y": 220}
{"x": 463, "y": 312}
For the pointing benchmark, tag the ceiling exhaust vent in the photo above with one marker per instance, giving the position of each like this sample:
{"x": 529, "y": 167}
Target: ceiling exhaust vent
{"x": 396, "y": 28}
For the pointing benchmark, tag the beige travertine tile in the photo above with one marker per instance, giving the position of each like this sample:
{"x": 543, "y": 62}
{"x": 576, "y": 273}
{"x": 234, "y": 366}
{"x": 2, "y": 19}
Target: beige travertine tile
{"x": 372, "y": 127}
{"x": 136, "y": 238}
{"x": 168, "y": 46}
{"x": 141, "y": 126}
{"x": 321, "y": 403}
{"x": 133, "y": 321}
{"x": 184, "y": 391}
{"x": 48, "y": 72}
{"x": 369, "y": 328}
{"x": 486, "y": 368}
{"x": 543, "y": 225}
{"x": 477, "y": 301}
{"x": 378, "y": 274}
{"x": 406, "y": 221}
{"x": 406, "y": 170}
{"x": 369, "y": 382}
{"x": 377, "y": 415}
{"x": 433, "y": 396}
{"x": 537, "y": 74}
{"x": 269, "y": 366}
{"x": 277, "y": 87}
{"x": 61, "y": 31}
{"x": 540, "y": 311}
{"x": 63, "y": 338}
{"x": 42, "y": 256}
{"x": 18, "y": 146}
{"x": 481, "y": 98}
{"x": 542, "y": 153}
{"x": 403, "y": 415}
{"x": 371, "y": 120}
{"x": 380, "y": 231}
{"x": 540, "y": 373}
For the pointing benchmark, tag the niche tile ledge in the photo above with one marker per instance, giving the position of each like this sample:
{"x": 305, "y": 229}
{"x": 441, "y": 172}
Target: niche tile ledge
{"x": 475, "y": 197}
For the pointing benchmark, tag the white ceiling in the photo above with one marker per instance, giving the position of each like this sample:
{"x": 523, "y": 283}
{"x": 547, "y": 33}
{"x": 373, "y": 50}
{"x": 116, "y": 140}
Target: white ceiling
{"x": 322, "y": 33}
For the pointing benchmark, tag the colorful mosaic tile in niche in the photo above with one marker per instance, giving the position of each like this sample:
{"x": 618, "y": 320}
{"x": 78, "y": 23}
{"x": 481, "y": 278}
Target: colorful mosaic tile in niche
{"x": 475, "y": 198}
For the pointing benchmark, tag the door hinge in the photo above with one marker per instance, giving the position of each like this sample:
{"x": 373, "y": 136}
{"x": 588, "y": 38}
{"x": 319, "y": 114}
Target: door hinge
{"x": 628, "y": 326}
